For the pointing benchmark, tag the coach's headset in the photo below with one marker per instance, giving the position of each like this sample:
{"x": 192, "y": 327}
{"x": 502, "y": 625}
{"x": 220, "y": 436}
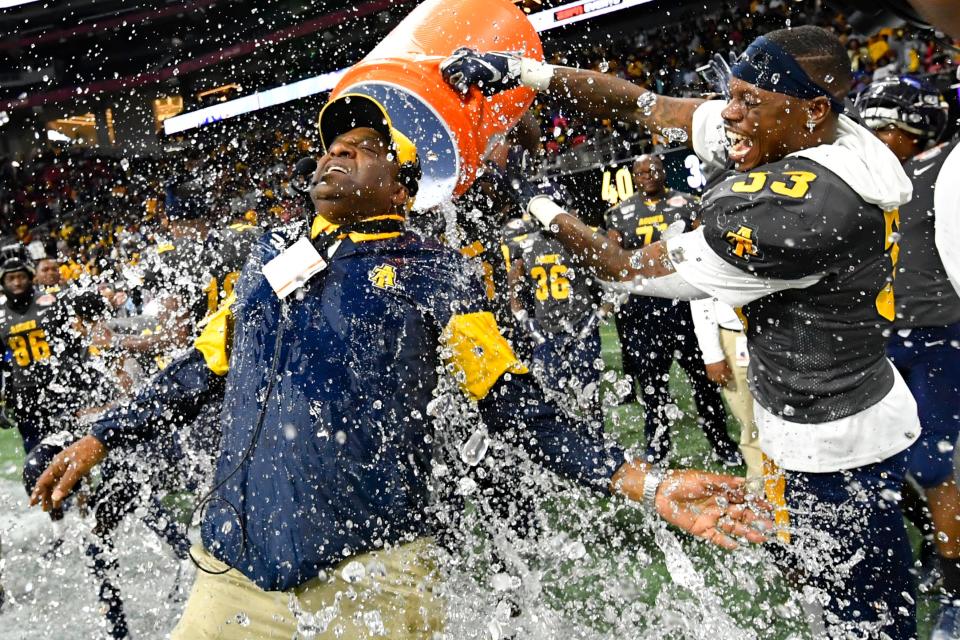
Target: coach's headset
{"x": 352, "y": 110}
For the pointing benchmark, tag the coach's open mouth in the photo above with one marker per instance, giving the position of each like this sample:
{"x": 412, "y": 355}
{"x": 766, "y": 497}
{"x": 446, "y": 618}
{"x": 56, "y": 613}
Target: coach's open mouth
{"x": 330, "y": 170}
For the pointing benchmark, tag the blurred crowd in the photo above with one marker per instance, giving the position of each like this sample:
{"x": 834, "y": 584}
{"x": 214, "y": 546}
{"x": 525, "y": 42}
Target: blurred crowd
{"x": 94, "y": 210}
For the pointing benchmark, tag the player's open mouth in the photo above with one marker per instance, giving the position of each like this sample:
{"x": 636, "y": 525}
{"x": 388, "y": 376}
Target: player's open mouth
{"x": 738, "y": 145}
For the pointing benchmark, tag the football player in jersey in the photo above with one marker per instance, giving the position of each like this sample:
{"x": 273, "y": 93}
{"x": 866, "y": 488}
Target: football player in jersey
{"x": 909, "y": 116}
{"x": 42, "y": 364}
{"x": 655, "y": 332}
{"x": 48, "y": 274}
{"x": 564, "y": 300}
{"x": 802, "y": 236}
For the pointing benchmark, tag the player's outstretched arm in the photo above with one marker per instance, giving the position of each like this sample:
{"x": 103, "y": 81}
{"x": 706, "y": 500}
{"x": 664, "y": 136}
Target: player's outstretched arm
{"x": 594, "y": 94}
{"x": 598, "y": 251}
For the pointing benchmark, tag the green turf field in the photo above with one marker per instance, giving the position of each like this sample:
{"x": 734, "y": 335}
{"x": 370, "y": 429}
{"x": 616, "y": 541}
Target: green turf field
{"x": 624, "y": 573}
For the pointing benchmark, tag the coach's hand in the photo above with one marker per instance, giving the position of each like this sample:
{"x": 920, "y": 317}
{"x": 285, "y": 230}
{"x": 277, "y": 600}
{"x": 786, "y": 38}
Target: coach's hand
{"x": 66, "y": 469}
{"x": 491, "y": 72}
{"x": 708, "y": 505}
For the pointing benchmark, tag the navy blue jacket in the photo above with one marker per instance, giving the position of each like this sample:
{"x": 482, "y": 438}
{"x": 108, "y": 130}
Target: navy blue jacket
{"x": 325, "y": 448}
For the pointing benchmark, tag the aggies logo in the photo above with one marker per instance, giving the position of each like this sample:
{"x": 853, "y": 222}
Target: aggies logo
{"x": 383, "y": 276}
{"x": 743, "y": 243}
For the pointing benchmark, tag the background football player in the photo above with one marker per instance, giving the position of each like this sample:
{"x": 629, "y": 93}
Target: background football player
{"x": 655, "y": 332}
{"x": 909, "y": 116}
{"x": 561, "y": 301}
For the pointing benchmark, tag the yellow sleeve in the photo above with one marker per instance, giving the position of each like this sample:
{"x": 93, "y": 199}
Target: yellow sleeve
{"x": 214, "y": 341}
{"x": 478, "y": 353}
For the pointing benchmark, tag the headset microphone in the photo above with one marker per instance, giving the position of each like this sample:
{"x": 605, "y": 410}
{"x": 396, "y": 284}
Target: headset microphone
{"x": 302, "y": 172}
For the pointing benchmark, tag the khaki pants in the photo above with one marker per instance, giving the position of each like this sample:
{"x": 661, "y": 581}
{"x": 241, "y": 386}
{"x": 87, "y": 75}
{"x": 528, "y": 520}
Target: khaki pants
{"x": 382, "y": 594}
{"x": 740, "y": 403}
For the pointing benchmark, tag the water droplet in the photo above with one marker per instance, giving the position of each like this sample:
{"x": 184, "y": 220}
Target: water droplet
{"x": 354, "y": 571}
{"x": 243, "y": 619}
{"x": 504, "y": 582}
{"x": 945, "y": 446}
{"x": 672, "y": 412}
{"x": 575, "y": 550}
{"x": 789, "y": 410}
{"x": 775, "y": 78}
{"x": 674, "y": 134}
{"x": 475, "y": 447}
{"x": 466, "y": 486}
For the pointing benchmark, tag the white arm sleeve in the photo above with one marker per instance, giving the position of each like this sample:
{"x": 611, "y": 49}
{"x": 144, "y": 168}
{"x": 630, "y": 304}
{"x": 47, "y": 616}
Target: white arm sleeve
{"x": 670, "y": 286}
{"x": 708, "y": 136}
{"x": 700, "y": 267}
{"x": 706, "y": 329}
{"x": 946, "y": 206}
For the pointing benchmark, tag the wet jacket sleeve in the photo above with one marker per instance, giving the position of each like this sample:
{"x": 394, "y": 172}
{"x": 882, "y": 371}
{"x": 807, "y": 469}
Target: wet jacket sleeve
{"x": 569, "y": 447}
{"x": 174, "y": 398}
{"x": 511, "y": 402}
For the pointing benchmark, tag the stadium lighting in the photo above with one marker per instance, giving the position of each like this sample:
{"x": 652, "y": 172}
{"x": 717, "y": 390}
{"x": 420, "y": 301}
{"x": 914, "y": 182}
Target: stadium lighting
{"x": 56, "y": 136}
{"x": 573, "y": 12}
{"x": 569, "y": 13}
{"x": 253, "y": 102}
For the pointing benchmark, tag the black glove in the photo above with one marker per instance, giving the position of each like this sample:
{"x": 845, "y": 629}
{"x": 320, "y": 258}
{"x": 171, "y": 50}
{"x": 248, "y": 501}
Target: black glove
{"x": 490, "y": 72}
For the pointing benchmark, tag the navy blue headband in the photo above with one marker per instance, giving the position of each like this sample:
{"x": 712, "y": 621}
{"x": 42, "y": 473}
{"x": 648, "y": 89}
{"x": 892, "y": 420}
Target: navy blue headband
{"x": 766, "y": 65}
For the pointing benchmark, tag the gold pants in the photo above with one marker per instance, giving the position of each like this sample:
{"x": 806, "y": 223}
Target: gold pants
{"x": 740, "y": 404}
{"x": 381, "y": 594}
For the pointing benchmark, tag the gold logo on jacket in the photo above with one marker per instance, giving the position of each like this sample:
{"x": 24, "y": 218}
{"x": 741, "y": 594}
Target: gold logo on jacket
{"x": 383, "y": 276}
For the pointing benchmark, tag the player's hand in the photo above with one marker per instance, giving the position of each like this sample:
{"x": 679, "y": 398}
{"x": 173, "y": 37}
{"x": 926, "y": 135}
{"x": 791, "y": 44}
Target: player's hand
{"x": 490, "y": 72}
{"x": 66, "y": 470}
{"x": 713, "y": 507}
{"x": 719, "y": 373}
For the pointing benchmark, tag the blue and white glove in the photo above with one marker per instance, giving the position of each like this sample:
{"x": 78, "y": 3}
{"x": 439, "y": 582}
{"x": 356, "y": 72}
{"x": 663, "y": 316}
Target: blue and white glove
{"x": 494, "y": 71}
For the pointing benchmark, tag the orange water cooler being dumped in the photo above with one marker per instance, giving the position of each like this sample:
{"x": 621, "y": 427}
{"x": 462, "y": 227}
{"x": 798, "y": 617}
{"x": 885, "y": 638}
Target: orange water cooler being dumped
{"x": 403, "y": 72}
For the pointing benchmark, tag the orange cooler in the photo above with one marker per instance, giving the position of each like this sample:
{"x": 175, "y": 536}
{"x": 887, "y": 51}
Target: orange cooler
{"x": 451, "y": 132}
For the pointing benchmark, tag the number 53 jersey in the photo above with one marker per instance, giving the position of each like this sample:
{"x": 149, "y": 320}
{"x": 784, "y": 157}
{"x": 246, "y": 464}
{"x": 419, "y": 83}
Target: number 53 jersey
{"x": 816, "y": 336}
